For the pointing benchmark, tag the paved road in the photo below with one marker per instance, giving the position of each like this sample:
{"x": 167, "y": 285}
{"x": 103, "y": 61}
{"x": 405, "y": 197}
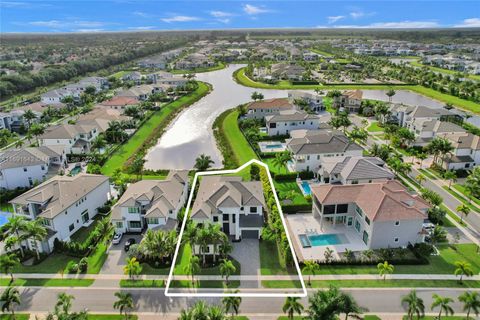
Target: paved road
{"x": 153, "y": 300}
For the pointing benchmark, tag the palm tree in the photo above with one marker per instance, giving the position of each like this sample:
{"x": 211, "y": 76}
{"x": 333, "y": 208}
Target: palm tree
{"x": 232, "y": 304}
{"x": 384, "y": 269}
{"x": 16, "y": 225}
{"x": 420, "y": 178}
{"x": 204, "y": 239}
{"x": 368, "y": 254}
{"x": 451, "y": 176}
{"x": 464, "y": 210}
{"x": 463, "y": 269}
{"x": 8, "y": 262}
{"x": 9, "y": 298}
{"x": 438, "y": 235}
{"x": 310, "y": 267}
{"x": 64, "y": 304}
{"x": 443, "y": 303}
{"x": 98, "y": 143}
{"x": 414, "y": 304}
{"x": 137, "y": 166}
{"x": 281, "y": 159}
{"x": 203, "y": 162}
{"x": 124, "y": 303}
{"x": 216, "y": 236}
{"x": 421, "y": 156}
{"x": 29, "y": 115}
{"x": 193, "y": 267}
{"x": 390, "y": 93}
{"x": 471, "y": 302}
{"x": 191, "y": 234}
{"x": 349, "y": 306}
{"x": 36, "y": 130}
{"x": 227, "y": 268}
{"x": 37, "y": 232}
{"x": 292, "y": 306}
{"x": 325, "y": 304}
{"x": 132, "y": 268}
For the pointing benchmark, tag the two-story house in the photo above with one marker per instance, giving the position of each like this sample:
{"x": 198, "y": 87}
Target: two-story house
{"x": 24, "y": 167}
{"x": 76, "y": 138}
{"x": 286, "y": 121}
{"x": 152, "y": 204}
{"x": 349, "y": 101}
{"x": 309, "y": 148}
{"x": 64, "y": 204}
{"x": 314, "y": 102}
{"x": 466, "y": 152}
{"x": 383, "y": 214}
{"x": 262, "y": 108}
{"x": 234, "y": 204}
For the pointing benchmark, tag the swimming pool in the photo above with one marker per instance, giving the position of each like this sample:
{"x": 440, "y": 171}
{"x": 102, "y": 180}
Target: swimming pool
{"x": 306, "y": 188}
{"x": 274, "y": 146}
{"x": 318, "y": 240}
{"x": 76, "y": 170}
{"x": 3, "y": 218}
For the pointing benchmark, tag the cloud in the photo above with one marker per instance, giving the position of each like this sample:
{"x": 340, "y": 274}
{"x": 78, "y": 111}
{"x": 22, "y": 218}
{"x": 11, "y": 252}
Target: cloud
{"x": 65, "y": 24}
{"x": 253, "y": 10}
{"x": 180, "y": 19}
{"x": 220, "y": 14}
{"x": 141, "y": 28}
{"x": 87, "y": 30}
{"x": 142, "y": 14}
{"x": 333, "y": 19}
{"x": 12, "y": 4}
{"x": 393, "y": 25}
{"x": 469, "y": 23}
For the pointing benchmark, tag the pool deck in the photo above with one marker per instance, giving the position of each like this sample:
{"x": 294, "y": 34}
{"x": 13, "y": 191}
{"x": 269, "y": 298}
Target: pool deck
{"x": 301, "y": 223}
{"x": 263, "y": 146}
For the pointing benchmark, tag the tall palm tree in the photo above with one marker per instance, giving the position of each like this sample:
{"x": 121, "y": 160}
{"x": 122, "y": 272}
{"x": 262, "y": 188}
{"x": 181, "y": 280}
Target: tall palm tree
{"x": 16, "y": 225}
{"x": 384, "y": 269}
{"x": 390, "y": 93}
{"x": 124, "y": 303}
{"x": 36, "y": 130}
{"x": 325, "y": 304}
{"x": 232, "y": 304}
{"x": 132, "y": 268}
{"x": 36, "y": 232}
{"x": 8, "y": 262}
{"x": 350, "y": 307}
{"x": 203, "y": 162}
{"x": 192, "y": 268}
{"x": 191, "y": 235}
{"x": 471, "y": 302}
{"x": 420, "y": 178}
{"x": 463, "y": 269}
{"x": 9, "y": 298}
{"x": 64, "y": 304}
{"x": 226, "y": 269}
{"x": 443, "y": 303}
{"x": 216, "y": 238}
{"x": 451, "y": 176}
{"x": 29, "y": 115}
{"x": 310, "y": 267}
{"x": 414, "y": 304}
{"x": 292, "y": 306}
{"x": 204, "y": 239}
{"x": 464, "y": 210}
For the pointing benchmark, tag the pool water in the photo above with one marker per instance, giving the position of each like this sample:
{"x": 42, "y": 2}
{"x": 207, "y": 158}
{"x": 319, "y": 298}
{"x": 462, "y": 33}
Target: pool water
{"x": 3, "y": 218}
{"x": 76, "y": 170}
{"x": 306, "y": 188}
{"x": 324, "y": 240}
{"x": 274, "y": 146}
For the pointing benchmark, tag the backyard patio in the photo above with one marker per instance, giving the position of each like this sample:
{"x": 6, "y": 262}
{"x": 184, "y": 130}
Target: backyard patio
{"x": 306, "y": 224}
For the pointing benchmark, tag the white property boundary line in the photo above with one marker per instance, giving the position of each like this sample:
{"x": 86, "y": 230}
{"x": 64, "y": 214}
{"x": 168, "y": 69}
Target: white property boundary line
{"x": 233, "y": 294}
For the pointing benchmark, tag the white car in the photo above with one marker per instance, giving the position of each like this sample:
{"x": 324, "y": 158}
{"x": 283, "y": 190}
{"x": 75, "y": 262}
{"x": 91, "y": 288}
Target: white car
{"x": 428, "y": 227}
{"x": 117, "y": 238}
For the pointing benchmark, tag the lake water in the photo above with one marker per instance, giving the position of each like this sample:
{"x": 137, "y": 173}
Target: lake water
{"x": 191, "y": 133}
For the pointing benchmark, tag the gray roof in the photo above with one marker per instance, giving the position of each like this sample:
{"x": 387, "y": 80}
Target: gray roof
{"x": 358, "y": 168}
{"x": 321, "y": 141}
{"x": 25, "y": 157}
{"x": 288, "y": 115}
{"x": 251, "y": 221}
{"x": 60, "y": 192}
{"x": 219, "y": 191}
{"x": 67, "y": 131}
{"x": 425, "y": 112}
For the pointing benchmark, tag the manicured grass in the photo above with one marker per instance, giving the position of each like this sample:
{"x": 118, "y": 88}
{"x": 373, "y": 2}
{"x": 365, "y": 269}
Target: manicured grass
{"x": 126, "y": 283}
{"x": 443, "y": 318}
{"x": 219, "y": 66}
{"x": 270, "y": 260}
{"x": 461, "y": 188}
{"x": 47, "y": 282}
{"x": 374, "y": 127}
{"x": 428, "y": 174}
{"x": 242, "y": 79}
{"x": 240, "y": 146}
{"x": 6, "y": 207}
{"x": 323, "y": 53}
{"x": 18, "y": 316}
{"x": 461, "y": 199}
{"x": 273, "y": 168}
{"x": 416, "y": 63}
{"x": 205, "y": 284}
{"x": 82, "y": 234}
{"x": 286, "y": 318}
{"x": 374, "y": 284}
{"x": 125, "y": 151}
{"x": 111, "y": 317}
{"x": 286, "y": 186}
{"x": 371, "y": 317}
{"x": 148, "y": 269}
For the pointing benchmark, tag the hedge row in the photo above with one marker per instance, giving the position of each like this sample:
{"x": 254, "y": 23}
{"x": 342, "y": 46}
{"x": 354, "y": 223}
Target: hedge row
{"x": 229, "y": 160}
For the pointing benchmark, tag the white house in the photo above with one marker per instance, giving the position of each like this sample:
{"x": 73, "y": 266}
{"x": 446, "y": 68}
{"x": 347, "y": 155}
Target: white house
{"x": 27, "y": 166}
{"x": 64, "y": 204}
{"x": 466, "y": 153}
{"x": 262, "y": 108}
{"x": 349, "y": 101}
{"x": 234, "y": 204}
{"x": 286, "y": 121}
{"x": 152, "y": 204}
{"x": 310, "y": 147}
{"x": 313, "y": 101}
{"x": 76, "y": 138}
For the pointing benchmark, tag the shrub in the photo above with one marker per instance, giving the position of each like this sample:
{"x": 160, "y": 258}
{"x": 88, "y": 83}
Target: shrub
{"x": 72, "y": 267}
{"x": 83, "y": 265}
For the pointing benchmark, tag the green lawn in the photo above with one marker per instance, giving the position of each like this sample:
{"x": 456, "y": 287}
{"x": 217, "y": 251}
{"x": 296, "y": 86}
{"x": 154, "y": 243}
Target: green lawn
{"x": 270, "y": 263}
{"x": 242, "y": 79}
{"x": 219, "y": 66}
{"x": 82, "y": 234}
{"x": 148, "y": 269}
{"x": 374, "y": 127}
{"x": 461, "y": 188}
{"x": 428, "y": 174}
{"x": 6, "y": 207}
{"x": 416, "y": 63}
{"x": 443, "y": 318}
{"x": 323, "y": 53}
{"x": 126, "y": 283}
{"x": 47, "y": 282}
{"x": 240, "y": 147}
{"x": 373, "y": 284}
{"x": 371, "y": 317}
{"x": 111, "y": 317}
{"x": 18, "y": 316}
{"x": 125, "y": 151}
{"x": 273, "y": 168}
{"x": 204, "y": 284}
{"x": 286, "y": 186}
{"x": 461, "y": 199}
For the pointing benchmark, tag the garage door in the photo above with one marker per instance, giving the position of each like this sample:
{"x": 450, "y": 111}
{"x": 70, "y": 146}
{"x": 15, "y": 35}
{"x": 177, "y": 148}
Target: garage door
{"x": 250, "y": 234}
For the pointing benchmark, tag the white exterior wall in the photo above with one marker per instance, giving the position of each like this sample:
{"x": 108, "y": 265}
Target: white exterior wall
{"x": 312, "y": 162}
{"x": 284, "y": 128}
{"x": 67, "y": 143}
{"x": 17, "y": 177}
{"x": 384, "y": 233}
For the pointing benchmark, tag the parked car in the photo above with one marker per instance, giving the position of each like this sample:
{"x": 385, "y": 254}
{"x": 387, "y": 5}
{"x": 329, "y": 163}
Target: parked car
{"x": 129, "y": 243}
{"x": 428, "y": 227}
{"x": 117, "y": 238}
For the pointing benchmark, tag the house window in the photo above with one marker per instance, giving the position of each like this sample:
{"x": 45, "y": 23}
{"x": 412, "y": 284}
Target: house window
{"x": 342, "y": 208}
{"x": 329, "y": 209}
{"x": 215, "y": 219}
{"x": 253, "y": 209}
{"x": 225, "y": 217}
{"x": 135, "y": 224}
{"x": 43, "y": 167}
{"x": 359, "y": 211}
{"x": 45, "y": 222}
{"x": 85, "y": 216}
{"x": 357, "y": 225}
{"x": 397, "y": 223}
{"x": 119, "y": 224}
{"x": 30, "y": 181}
{"x": 233, "y": 218}
{"x": 365, "y": 237}
{"x": 71, "y": 227}
{"x": 133, "y": 210}
{"x": 395, "y": 239}
{"x": 152, "y": 220}
{"x": 367, "y": 220}
{"x": 354, "y": 181}
{"x": 24, "y": 169}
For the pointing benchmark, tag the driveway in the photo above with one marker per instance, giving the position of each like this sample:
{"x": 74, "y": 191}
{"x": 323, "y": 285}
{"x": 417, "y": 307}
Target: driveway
{"x": 247, "y": 252}
{"x": 117, "y": 255}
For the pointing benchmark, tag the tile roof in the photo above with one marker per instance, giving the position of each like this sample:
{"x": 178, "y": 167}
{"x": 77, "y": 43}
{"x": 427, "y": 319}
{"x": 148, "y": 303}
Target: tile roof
{"x": 291, "y": 115}
{"x": 319, "y": 141}
{"x": 357, "y": 168}
{"x": 278, "y": 103}
{"x": 120, "y": 101}
{"x": 14, "y": 158}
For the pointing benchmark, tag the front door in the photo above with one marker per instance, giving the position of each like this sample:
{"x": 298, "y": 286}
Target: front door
{"x": 226, "y": 228}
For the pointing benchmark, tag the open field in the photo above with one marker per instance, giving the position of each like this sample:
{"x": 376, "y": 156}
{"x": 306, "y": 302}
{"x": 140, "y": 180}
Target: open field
{"x": 47, "y": 282}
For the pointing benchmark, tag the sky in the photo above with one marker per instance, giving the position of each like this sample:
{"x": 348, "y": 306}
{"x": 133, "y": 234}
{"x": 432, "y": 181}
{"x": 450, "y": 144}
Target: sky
{"x": 131, "y": 15}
